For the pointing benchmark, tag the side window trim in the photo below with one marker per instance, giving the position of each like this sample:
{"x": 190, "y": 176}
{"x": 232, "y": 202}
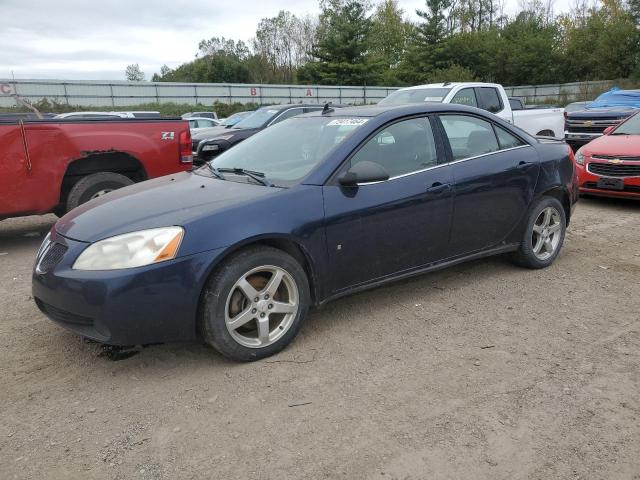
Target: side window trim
{"x": 447, "y": 146}
{"x": 440, "y": 152}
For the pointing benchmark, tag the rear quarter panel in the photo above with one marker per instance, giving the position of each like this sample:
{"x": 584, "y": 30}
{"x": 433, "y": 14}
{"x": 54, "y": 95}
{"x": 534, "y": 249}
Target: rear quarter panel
{"x": 53, "y": 146}
{"x": 557, "y": 170}
{"x": 13, "y": 169}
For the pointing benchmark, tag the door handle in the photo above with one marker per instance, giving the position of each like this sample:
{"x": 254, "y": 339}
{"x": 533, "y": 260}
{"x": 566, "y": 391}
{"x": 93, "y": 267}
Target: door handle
{"x": 522, "y": 163}
{"x": 438, "y": 187}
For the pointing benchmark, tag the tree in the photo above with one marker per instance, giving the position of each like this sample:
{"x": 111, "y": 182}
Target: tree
{"x": 388, "y": 38}
{"x": 604, "y": 44}
{"x": 133, "y": 73}
{"x": 284, "y": 42}
{"x": 426, "y": 44}
{"x": 341, "y": 52}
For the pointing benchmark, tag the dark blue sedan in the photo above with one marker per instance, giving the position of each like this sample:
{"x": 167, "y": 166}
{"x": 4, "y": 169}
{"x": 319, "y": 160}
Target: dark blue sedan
{"x": 308, "y": 210}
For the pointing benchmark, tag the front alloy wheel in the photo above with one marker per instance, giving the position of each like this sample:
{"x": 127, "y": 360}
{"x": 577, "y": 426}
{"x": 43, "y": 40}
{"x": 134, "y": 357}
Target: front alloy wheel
{"x": 254, "y": 303}
{"x": 261, "y": 306}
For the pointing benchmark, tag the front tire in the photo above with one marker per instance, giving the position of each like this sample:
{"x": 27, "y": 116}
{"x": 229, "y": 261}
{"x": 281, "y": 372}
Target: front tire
{"x": 544, "y": 234}
{"x": 254, "y": 304}
{"x": 93, "y": 186}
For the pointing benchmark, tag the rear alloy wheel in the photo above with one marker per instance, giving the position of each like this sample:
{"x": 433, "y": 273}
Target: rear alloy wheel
{"x": 94, "y": 186}
{"x": 544, "y": 235}
{"x": 254, "y": 304}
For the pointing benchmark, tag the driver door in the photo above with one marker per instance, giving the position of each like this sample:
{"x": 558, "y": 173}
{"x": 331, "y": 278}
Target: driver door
{"x": 386, "y": 228}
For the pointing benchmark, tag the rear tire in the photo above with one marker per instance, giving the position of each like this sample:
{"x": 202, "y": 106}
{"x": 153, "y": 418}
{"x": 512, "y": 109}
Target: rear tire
{"x": 254, "y": 304}
{"x": 543, "y": 236}
{"x": 93, "y": 186}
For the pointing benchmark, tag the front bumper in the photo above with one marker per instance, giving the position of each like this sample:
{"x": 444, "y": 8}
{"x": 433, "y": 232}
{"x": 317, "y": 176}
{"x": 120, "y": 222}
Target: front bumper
{"x": 588, "y": 184}
{"x": 580, "y": 139}
{"x": 152, "y": 304}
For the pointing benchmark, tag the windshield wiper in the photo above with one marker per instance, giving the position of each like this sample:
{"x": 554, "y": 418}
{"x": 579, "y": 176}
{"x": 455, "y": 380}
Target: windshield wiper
{"x": 215, "y": 171}
{"x": 257, "y": 176}
{"x": 619, "y": 133}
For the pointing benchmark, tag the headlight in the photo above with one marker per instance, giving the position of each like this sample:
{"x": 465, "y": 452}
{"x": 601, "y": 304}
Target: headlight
{"x": 210, "y": 148}
{"x": 579, "y": 157}
{"x": 130, "y": 250}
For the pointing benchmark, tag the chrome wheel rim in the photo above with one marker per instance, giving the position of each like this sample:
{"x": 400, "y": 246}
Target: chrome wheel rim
{"x": 261, "y": 306}
{"x": 547, "y": 230}
{"x": 101, "y": 193}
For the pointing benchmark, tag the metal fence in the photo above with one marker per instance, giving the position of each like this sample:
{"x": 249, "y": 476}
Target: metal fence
{"x": 115, "y": 94}
{"x": 560, "y": 93}
{"x": 122, "y": 94}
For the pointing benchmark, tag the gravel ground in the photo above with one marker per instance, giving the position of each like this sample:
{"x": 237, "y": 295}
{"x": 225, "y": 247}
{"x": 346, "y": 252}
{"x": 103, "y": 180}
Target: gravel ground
{"x": 484, "y": 370}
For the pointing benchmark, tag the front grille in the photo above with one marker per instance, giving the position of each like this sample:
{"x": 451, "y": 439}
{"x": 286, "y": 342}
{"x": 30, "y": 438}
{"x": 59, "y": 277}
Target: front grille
{"x": 614, "y": 170}
{"x": 62, "y": 316}
{"x": 627, "y": 188}
{"x": 51, "y": 257}
{"x": 589, "y": 126}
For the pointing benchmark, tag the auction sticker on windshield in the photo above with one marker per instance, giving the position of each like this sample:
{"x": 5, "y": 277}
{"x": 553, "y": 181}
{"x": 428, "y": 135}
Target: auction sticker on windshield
{"x": 348, "y": 121}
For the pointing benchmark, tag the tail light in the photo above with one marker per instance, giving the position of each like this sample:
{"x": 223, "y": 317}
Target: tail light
{"x": 185, "y": 153}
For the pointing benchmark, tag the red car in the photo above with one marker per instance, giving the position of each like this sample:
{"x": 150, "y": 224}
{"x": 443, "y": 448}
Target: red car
{"x": 610, "y": 165}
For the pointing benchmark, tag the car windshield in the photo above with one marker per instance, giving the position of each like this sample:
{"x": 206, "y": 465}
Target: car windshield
{"x": 235, "y": 118}
{"x": 415, "y": 95}
{"x": 630, "y": 127}
{"x": 284, "y": 158}
{"x": 257, "y": 118}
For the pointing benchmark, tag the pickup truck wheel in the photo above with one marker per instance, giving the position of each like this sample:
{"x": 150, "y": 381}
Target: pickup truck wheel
{"x": 254, "y": 304}
{"x": 544, "y": 234}
{"x": 94, "y": 186}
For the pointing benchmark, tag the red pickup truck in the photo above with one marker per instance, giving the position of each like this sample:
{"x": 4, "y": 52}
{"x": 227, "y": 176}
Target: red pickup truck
{"x": 55, "y": 165}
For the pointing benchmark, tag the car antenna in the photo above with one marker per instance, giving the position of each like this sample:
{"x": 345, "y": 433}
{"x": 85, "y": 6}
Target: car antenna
{"x": 446, "y": 83}
{"x": 327, "y": 108}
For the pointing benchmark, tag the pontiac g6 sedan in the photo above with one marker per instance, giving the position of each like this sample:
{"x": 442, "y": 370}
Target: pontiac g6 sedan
{"x": 313, "y": 208}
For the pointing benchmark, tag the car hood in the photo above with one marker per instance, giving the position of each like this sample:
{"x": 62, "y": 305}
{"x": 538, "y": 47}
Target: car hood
{"x": 210, "y": 132}
{"x": 604, "y": 113}
{"x": 178, "y": 199}
{"x": 622, "y": 145}
{"x": 214, "y": 132}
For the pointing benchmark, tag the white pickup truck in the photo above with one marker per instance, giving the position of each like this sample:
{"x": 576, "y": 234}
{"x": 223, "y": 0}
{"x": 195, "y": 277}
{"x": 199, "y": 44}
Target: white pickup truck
{"x": 488, "y": 96}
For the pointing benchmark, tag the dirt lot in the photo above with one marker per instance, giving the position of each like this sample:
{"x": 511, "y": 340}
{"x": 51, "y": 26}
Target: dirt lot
{"x": 481, "y": 371}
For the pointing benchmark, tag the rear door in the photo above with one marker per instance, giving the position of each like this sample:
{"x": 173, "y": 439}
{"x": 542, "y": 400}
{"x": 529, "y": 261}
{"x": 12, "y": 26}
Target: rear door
{"x": 494, "y": 174}
{"x": 379, "y": 229}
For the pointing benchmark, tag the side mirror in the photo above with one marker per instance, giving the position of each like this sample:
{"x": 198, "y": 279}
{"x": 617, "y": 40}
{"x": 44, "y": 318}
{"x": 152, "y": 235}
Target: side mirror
{"x": 363, "y": 172}
{"x": 608, "y": 130}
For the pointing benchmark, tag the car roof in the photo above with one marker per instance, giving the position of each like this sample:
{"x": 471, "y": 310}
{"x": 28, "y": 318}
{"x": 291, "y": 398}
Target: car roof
{"x": 399, "y": 110}
{"x": 286, "y": 106}
{"x": 451, "y": 85}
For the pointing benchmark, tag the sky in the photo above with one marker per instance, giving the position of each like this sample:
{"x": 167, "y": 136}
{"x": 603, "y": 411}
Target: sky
{"x": 97, "y": 39}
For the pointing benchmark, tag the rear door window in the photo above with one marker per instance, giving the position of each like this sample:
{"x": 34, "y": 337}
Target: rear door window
{"x": 469, "y": 136}
{"x": 506, "y": 139}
